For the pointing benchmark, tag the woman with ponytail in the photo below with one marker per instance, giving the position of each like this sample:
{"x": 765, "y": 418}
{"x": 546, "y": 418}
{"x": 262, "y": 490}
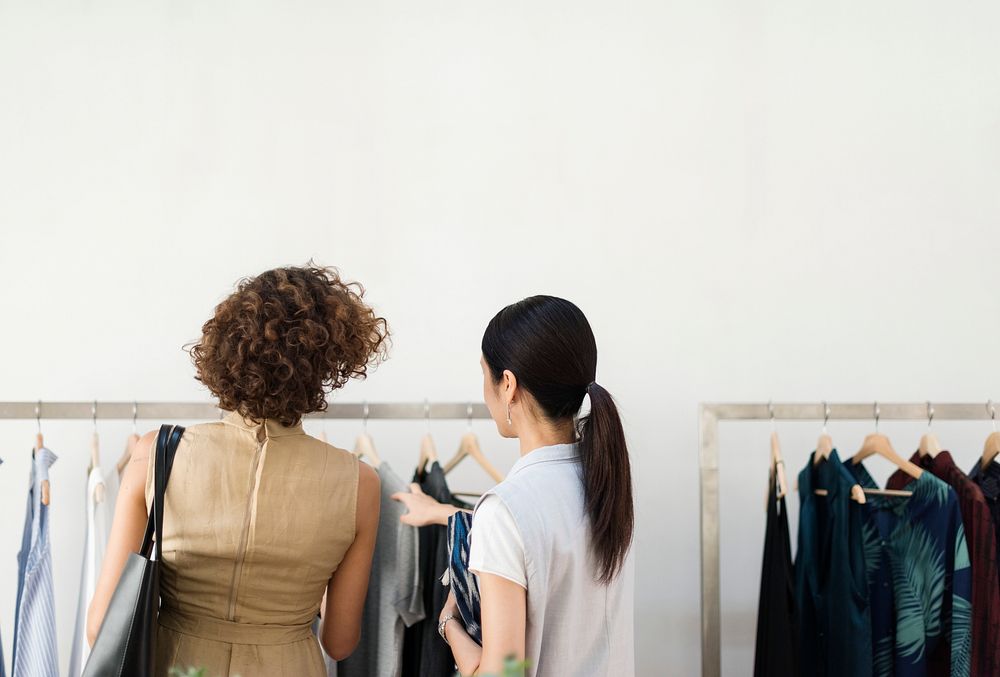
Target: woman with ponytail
{"x": 550, "y": 544}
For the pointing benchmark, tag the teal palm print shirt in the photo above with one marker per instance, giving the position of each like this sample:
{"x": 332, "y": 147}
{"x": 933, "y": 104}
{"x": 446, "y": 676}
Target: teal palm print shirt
{"x": 919, "y": 580}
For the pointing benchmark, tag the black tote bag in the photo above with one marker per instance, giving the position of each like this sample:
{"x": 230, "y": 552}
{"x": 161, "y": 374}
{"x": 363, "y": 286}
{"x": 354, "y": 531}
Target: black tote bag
{"x": 126, "y": 643}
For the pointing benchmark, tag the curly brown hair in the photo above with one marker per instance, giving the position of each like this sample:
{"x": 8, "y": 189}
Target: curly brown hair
{"x": 285, "y": 338}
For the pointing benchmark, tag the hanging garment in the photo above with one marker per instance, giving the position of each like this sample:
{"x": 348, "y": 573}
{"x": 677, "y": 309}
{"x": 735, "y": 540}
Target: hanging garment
{"x": 919, "y": 579}
{"x": 425, "y": 654}
{"x": 94, "y": 545}
{"x": 34, "y": 652}
{"x": 462, "y": 581}
{"x": 533, "y": 530}
{"x": 835, "y": 631}
{"x": 258, "y": 516}
{"x": 988, "y": 481}
{"x": 395, "y": 600}
{"x": 776, "y": 653}
{"x": 980, "y": 539}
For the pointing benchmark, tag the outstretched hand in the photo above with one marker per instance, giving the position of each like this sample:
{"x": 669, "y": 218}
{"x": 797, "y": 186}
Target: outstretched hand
{"x": 422, "y": 510}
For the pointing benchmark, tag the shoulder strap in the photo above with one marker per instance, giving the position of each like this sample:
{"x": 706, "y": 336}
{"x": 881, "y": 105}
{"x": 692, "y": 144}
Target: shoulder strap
{"x": 167, "y": 441}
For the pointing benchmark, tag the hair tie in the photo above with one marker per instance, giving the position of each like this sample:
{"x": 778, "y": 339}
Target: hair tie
{"x": 591, "y": 385}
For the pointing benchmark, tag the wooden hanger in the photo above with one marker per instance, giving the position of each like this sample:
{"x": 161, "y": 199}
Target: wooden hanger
{"x": 95, "y": 456}
{"x": 857, "y": 493}
{"x": 364, "y": 447}
{"x": 929, "y": 445}
{"x": 39, "y": 444}
{"x": 879, "y": 444}
{"x": 778, "y": 465}
{"x": 991, "y": 449}
{"x": 777, "y": 462}
{"x": 95, "y": 462}
{"x": 428, "y": 453}
{"x": 469, "y": 447}
{"x": 824, "y": 445}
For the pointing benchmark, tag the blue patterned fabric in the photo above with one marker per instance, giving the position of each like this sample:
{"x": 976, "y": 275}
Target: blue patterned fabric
{"x": 463, "y": 582}
{"x": 919, "y": 579}
{"x": 34, "y": 653}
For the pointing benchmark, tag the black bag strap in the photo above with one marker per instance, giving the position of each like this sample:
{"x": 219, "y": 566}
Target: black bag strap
{"x": 167, "y": 441}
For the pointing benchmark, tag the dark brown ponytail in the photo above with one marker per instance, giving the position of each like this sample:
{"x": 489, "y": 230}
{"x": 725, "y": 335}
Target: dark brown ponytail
{"x": 607, "y": 477}
{"x": 548, "y": 344}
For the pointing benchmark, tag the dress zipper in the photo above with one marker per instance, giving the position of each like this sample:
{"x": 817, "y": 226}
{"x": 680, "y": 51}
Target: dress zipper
{"x": 241, "y": 552}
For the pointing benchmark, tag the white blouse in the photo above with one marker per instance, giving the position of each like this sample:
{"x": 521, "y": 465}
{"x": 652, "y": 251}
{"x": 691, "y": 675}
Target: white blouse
{"x": 532, "y": 529}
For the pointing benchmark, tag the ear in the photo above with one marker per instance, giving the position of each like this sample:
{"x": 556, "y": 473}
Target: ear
{"x": 509, "y": 386}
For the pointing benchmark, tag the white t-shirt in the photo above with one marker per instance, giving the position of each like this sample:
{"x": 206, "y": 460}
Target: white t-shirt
{"x": 495, "y": 545}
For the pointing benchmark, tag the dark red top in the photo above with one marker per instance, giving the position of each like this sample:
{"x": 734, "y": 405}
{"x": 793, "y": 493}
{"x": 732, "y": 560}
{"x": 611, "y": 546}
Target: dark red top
{"x": 981, "y": 538}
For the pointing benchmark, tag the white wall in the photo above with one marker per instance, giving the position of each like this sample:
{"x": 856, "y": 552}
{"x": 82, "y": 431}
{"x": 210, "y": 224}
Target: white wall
{"x": 788, "y": 200}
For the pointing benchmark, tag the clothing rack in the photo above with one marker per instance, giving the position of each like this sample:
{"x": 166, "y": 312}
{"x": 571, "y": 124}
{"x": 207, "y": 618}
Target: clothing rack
{"x": 710, "y": 414}
{"x": 187, "y": 411}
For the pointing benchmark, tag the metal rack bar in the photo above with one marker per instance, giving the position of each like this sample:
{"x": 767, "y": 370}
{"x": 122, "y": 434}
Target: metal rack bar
{"x": 710, "y": 414}
{"x": 186, "y": 411}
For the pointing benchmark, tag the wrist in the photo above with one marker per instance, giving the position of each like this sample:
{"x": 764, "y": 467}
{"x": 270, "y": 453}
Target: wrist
{"x": 443, "y": 626}
{"x": 444, "y": 512}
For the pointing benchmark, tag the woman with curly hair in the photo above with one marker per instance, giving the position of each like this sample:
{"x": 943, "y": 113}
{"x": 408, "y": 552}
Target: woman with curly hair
{"x": 264, "y": 525}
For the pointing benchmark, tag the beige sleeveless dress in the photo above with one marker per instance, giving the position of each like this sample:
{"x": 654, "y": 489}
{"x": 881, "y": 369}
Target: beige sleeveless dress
{"x": 257, "y": 519}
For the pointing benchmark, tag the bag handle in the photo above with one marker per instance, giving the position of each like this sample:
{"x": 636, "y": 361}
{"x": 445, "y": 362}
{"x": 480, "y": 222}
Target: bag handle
{"x": 167, "y": 441}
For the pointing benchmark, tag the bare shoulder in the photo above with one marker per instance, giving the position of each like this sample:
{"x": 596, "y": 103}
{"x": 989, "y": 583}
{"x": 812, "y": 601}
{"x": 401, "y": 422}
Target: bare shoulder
{"x": 133, "y": 484}
{"x": 368, "y": 479}
{"x": 143, "y": 447}
{"x": 369, "y": 489}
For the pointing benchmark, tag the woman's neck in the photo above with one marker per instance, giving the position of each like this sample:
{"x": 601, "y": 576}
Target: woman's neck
{"x": 538, "y": 436}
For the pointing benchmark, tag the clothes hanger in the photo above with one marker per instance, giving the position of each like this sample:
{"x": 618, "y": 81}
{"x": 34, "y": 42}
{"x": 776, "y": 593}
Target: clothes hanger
{"x": 130, "y": 442}
{"x": 39, "y": 444}
{"x": 824, "y": 445}
{"x": 929, "y": 445}
{"x": 364, "y": 447}
{"x": 877, "y": 443}
{"x": 992, "y": 446}
{"x": 469, "y": 447}
{"x": 95, "y": 455}
{"x": 777, "y": 462}
{"x": 428, "y": 453}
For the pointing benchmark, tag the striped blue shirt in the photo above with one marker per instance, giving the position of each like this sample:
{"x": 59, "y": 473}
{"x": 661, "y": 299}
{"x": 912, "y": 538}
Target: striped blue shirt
{"x": 34, "y": 653}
